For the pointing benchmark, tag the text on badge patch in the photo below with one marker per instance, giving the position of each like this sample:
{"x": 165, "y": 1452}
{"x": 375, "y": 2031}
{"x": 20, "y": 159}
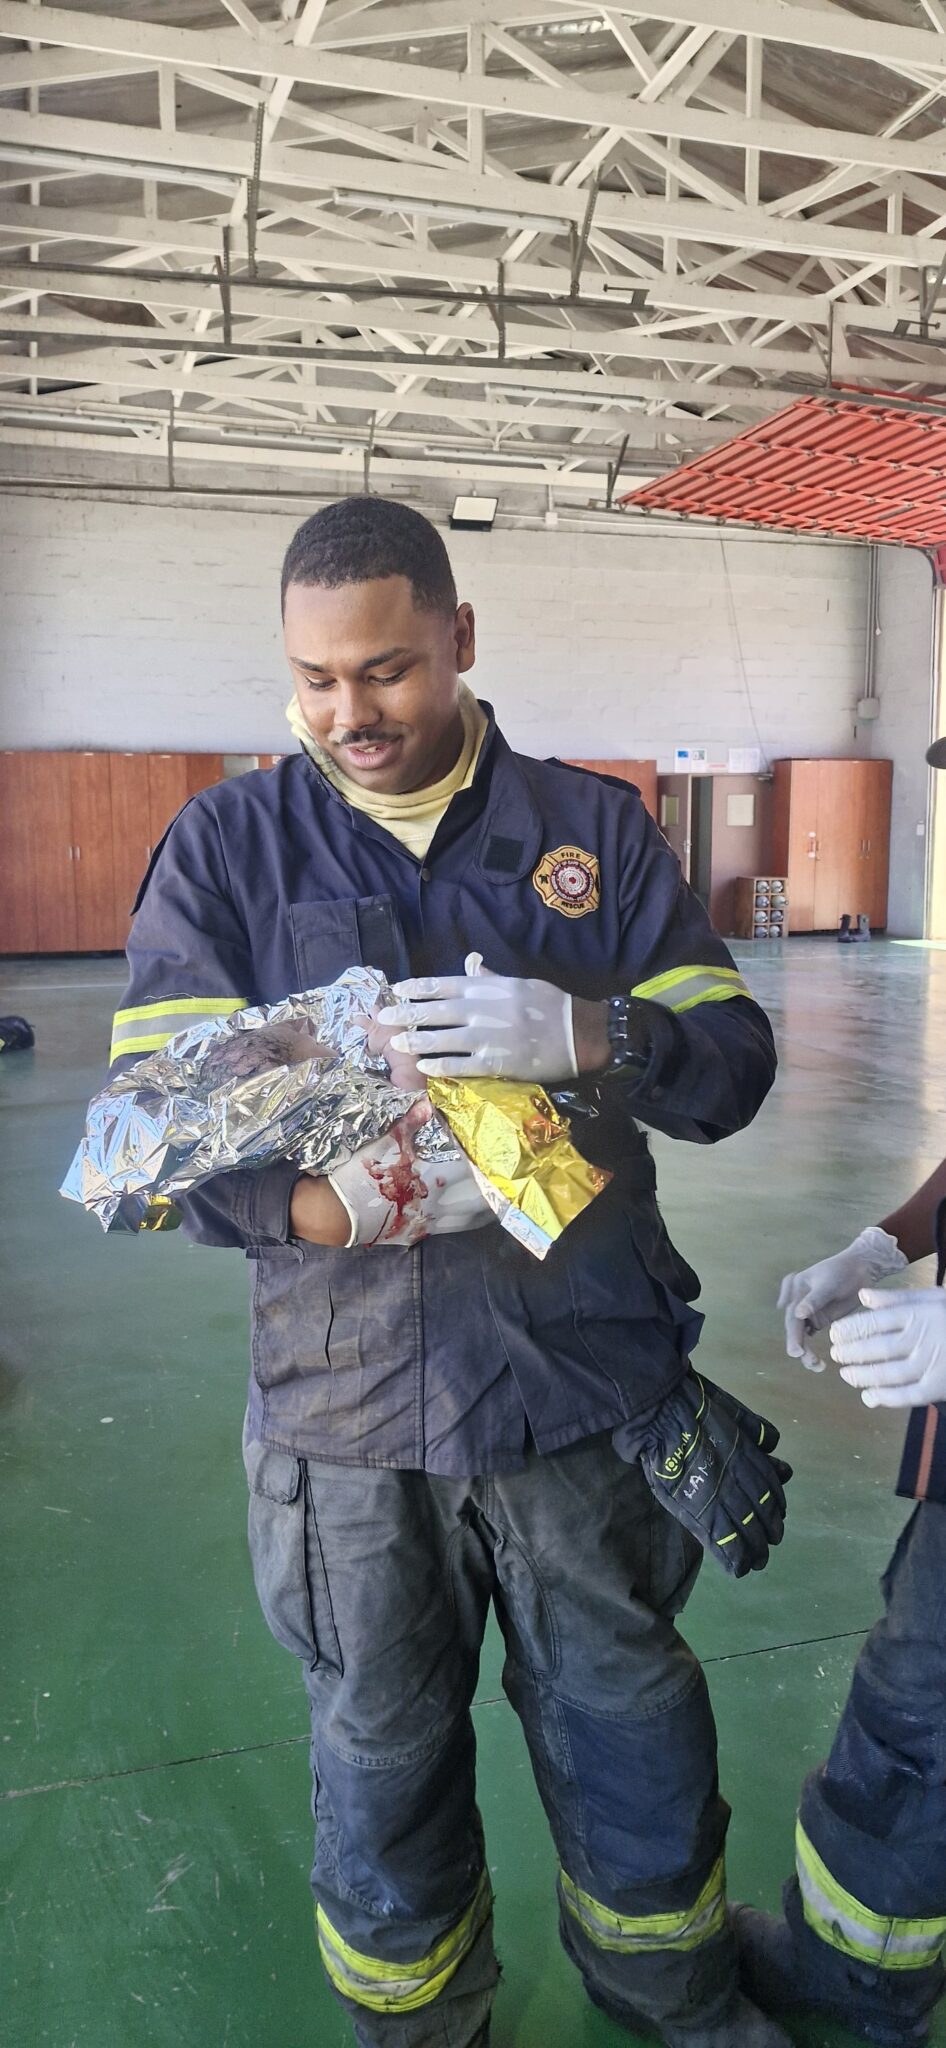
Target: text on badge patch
{"x": 569, "y": 880}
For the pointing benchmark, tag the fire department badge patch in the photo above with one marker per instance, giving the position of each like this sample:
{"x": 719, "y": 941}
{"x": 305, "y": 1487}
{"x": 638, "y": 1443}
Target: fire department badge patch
{"x": 569, "y": 880}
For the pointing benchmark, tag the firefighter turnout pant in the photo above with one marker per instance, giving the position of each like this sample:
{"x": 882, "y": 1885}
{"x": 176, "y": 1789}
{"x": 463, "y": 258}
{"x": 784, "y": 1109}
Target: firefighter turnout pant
{"x": 381, "y": 1582}
{"x": 868, "y": 1902}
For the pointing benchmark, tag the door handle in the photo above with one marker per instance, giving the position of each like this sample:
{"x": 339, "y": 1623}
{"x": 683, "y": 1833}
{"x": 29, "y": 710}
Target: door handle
{"x": 78, "y": 853}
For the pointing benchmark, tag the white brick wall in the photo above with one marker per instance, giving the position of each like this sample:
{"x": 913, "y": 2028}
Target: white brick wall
{"x": 142, "y": 625}
{"x": 902, "y": 732}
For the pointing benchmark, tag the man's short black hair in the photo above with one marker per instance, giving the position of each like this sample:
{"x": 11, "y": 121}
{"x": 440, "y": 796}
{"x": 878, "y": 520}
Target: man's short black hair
{"x": 359, "y": 540}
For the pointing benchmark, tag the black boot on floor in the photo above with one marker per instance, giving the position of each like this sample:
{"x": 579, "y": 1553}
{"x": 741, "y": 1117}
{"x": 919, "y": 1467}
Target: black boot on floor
{"x": 740, "y": 2025}
{"x": 845, "y": 934}
{"x": 784, "y": 1974}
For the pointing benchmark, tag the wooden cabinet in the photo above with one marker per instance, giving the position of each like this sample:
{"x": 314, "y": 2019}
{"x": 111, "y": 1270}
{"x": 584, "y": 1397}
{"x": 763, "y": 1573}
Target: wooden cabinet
{"x": 172, "y": 779}
{"x": 831, "y": 837}
{"x": 130, "y": 794}
{"x": 51, "y": 851}
{"x": 642, "y": 773}
{"x": 76, "y": 834}
{"x": 17, "y": 877}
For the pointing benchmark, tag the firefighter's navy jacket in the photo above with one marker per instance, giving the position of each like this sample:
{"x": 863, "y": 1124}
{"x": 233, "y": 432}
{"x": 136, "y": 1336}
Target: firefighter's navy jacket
{"x": 449, "y": 1356}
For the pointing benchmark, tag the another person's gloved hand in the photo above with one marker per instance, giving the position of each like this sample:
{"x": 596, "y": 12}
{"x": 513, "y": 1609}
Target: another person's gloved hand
{"x": 708, "y": 1461}
{"x": 821, "y": 1293}
{"x": 394, "y": 1198}
{"x": 895, "y": 1350}
{"x": 484, "y": 1023}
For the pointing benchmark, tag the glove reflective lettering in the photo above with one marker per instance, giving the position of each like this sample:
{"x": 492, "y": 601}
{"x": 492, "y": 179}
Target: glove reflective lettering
{"x": 895, "y": 1349}
{"x": 481, "y": 1023}
{"x": 395, "y": 1198}
{"x": 708, "y": 1460}
{"x": 821, "y": 1293}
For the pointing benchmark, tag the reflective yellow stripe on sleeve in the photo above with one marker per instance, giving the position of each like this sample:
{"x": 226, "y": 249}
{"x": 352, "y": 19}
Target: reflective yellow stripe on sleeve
{"x": 884, "y": 1940}
{"x": 682, "y": 988}
{"x": 627, "y": 1933}
{"x": 151, "y": 1025}
{"x": 396, "y": 1986}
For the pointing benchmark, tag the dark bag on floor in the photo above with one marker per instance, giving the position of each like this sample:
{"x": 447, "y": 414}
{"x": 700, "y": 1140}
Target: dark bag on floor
{"x": 16, "y": 1035}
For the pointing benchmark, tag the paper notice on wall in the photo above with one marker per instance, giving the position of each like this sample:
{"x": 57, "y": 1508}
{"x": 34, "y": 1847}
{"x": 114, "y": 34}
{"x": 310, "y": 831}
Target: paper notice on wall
{"x": 745, "y": 761}
{"x": 699, "y": 760}
{"x": 740, "y": 808}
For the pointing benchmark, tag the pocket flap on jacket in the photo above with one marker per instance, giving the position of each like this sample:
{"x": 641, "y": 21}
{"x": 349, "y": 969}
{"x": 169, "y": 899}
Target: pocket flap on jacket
{"x": 274, "y": 1474}
{"x": 325, "y": 941}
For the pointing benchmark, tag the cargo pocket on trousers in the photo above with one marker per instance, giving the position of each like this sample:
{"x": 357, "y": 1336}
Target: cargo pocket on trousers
{"x": 286, "y": 1555}
{"x": 674, "y": 1563}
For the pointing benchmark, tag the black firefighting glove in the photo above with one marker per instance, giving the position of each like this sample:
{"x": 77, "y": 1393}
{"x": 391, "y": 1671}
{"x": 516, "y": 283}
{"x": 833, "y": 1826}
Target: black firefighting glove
{"x": 709, "y": 1462}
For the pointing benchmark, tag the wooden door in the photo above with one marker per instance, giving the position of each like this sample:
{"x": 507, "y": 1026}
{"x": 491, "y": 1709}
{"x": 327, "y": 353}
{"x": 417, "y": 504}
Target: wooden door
{"x": 674, "y": 816}
{"x": 642, "y": 773}
{"x": 203, "y": 770}
{"x": 17, "y": 877}
{"x": 172, "y": 779}
{"x": 131, "y": 834}
{"x": 90, "y": 792}
{"x": 739, "y": 842}
{"x": 49, "y": 779}
{"x": 875, "y": 856}
{"x": 838, "y": 834}
{"x": 167, "y": 792}
{"x": 795, "y": 836}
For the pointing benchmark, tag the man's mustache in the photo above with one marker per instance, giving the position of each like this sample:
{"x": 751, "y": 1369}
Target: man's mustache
{"x": 369, "y": 736}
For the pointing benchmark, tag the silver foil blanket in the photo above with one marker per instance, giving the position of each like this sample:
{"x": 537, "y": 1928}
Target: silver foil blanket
{"x": 304, "y": 1079}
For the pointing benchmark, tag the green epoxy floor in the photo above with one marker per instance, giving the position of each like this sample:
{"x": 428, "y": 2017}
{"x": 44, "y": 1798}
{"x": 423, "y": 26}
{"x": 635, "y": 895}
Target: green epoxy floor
{"x": 154, "y": 1831}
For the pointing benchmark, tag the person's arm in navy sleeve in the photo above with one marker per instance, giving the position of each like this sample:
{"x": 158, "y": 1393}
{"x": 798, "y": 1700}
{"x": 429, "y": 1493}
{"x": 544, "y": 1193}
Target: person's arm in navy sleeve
{"x": 707, "y": 1048}
{"x": 189, "y": 959}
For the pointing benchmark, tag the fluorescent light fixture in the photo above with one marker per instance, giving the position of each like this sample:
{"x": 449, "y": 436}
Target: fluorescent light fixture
{"x": 455, "y": 216}
{"x": 474, "y": 513}
{"x": 114, "y": 167}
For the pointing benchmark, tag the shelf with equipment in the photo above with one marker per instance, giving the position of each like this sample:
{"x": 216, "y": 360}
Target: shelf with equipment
{"x": 761, "y": 907}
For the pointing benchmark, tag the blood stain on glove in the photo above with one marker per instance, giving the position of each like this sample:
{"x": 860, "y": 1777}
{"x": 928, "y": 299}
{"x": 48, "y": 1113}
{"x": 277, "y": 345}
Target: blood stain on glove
{"x": 400, "y": 1182}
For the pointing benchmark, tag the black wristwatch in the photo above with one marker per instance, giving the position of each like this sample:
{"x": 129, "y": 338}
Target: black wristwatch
{"x": 628, "y": 1035}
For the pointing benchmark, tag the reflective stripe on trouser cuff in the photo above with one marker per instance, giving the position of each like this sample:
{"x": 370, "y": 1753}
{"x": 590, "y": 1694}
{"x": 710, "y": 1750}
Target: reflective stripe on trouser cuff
{"x": 629, "y": 1933}
{"x": 682, "y": 988}
{"x": 152, "y": 1025}
{"x": 401, "y": 1987}
{"x": 838, "y": 1918}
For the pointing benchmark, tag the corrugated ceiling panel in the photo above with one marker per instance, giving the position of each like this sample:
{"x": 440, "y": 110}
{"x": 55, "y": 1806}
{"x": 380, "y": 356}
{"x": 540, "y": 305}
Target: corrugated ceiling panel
{"x": 825, "y": 465}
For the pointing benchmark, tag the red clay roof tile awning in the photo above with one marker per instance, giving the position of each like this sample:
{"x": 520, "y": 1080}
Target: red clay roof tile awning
{"x": 860, "y": 470}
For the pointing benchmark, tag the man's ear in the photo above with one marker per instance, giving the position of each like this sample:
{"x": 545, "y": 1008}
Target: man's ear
{"x": 464, "y": 637}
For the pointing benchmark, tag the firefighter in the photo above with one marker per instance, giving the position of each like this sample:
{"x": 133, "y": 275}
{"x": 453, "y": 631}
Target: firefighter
{"x": 438, "y": 1421}
{"x": 865, "y": 1914}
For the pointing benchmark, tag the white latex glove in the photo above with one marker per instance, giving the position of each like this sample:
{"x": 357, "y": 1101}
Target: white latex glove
{"x": 394, "y": 1198}
{"x": 485, "y": 1024}
{"x": 818, "y": 1295}
{"x": 896, "y": 1350}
